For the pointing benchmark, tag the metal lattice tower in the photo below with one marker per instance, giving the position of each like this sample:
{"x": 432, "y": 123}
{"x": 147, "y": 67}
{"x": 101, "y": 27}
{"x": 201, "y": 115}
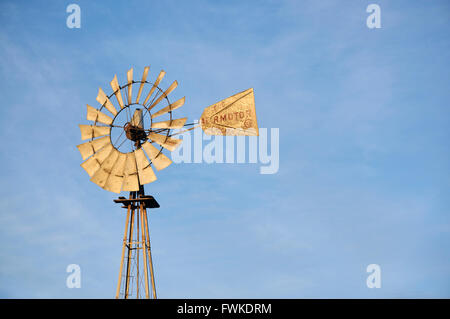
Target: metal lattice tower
{"x": 136, "y": 274}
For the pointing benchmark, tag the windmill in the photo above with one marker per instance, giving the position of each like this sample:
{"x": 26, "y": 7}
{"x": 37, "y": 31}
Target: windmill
{"x": 125, "y": 144}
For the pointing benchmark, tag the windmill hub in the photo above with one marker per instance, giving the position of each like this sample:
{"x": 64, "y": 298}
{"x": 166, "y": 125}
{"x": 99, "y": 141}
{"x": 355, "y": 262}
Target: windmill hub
{"x": 134, "y": 133}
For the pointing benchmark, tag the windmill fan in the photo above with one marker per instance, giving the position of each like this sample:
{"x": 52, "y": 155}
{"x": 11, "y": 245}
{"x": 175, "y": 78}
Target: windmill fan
{"x": 116, "y": 161}
{"x": 127, "y": 140}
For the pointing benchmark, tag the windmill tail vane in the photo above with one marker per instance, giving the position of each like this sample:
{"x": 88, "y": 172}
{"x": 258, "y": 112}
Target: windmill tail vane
{"x": 125, "y": 143}
{"x": 233, "y": 116}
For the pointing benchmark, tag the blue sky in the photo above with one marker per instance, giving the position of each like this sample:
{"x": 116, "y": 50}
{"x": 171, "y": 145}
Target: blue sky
{"x": 364, "y": 154}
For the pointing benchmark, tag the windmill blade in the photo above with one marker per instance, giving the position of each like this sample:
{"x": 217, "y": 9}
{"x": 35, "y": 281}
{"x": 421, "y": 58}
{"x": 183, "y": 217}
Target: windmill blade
{"x": 116, "y": 89}
{"x": 159, "y": 160}
{"x": 175, "y": 105}
{"x": 103, "y": 100}
{"x": 158, "y": 80}
{"x": 130, "y": 181}
{"x": 144, "y": 78}
{"x": 171, "y": 124}
{"x": 101, "y": 176}
{"x": 235, "y": 115}
{"x": 92, "y": 131}
{"x": 97, "y": 116}
{"x": 165, "y": 94}
{"x": 130, "y": 84}
{"x": 145, "y": 171}
{"x": 115, "y": 179}
{"x": 91, "y": 147}
{"x": 167, "y": 142}
{"x": 92, "y": 164}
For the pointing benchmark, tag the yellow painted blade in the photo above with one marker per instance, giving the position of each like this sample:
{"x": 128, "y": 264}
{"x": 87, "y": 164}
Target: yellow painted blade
{"x": 172, "y": 124}
{"x": 103, "y": 100}
{"x": 130, "y": 181}
{"x": 159, "y": 160}
{"x": 92, "y": 131}
{"x": 115, "y": 179}
{"x": 166, "y": 93}
{"x": 95, "y": 115}
{"x": 158, "y": 80}
{"x": 92, "y": 164}
{"x": 167, "y": 142}
{"x": 116, "y": 89}
{"x": 130, "y": 84}
{"x": 91, "y": 147}
{"x": 175, "y": 105}
{"x": 235, "y": 115}
{"x": 101, "y": 176}
{"x": 144, "y": 78}
{"x": 146, "y": 174}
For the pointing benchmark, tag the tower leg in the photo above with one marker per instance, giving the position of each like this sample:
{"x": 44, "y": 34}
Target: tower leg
{"x": 123, "y": 251}
{"x": 149, "y": 254}
{"x": 144, "y": 251}
{"x": 130, "y": 251}
{"x": 137, "y": 253}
